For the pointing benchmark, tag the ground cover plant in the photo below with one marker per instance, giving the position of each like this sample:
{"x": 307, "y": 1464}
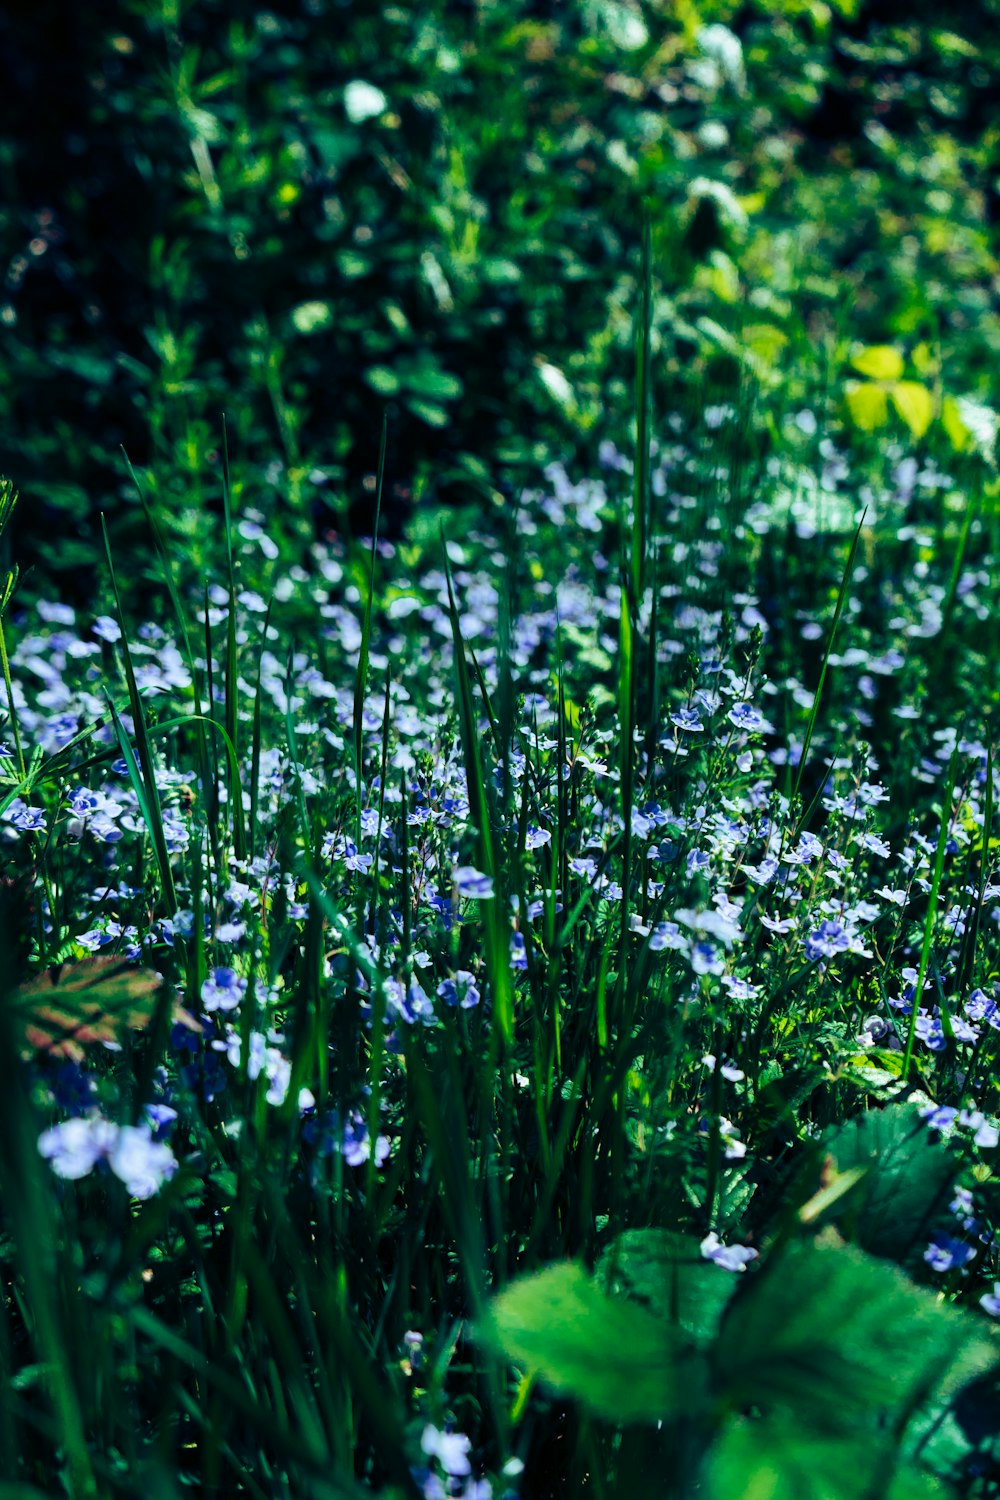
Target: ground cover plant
{"x": 501, "y": 998}
{"x": 515, "y": 1014}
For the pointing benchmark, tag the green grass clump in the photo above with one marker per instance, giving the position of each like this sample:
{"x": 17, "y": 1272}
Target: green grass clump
{"x": 431, "y": 993}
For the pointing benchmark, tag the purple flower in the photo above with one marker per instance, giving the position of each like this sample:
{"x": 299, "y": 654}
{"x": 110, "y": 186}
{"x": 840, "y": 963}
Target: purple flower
{"x": 76, "y": 1146}
{"x": 472, "y": 884}
{"x": 24, "y": 818}
{"x": 141, "y": 1163}
{"x": 223, "y": 990}
{"x": 355, "y": 1145}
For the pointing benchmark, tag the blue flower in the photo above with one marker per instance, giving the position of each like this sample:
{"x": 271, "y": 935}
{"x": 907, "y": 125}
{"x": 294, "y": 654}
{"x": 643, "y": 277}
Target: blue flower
{"x": 826, "y": 941}
{"x": 460, "y": 991}
{"x": 991, "y": 1301}
{"x": 472, "y": 884}
{"x": 947, "y": 1254}
{"x": 223, "y": 990}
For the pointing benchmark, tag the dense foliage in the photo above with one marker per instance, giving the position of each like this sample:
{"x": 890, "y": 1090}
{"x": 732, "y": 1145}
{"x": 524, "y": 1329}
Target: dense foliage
{"x": 503, "y": 1006}
{"x": 304, "y": 214}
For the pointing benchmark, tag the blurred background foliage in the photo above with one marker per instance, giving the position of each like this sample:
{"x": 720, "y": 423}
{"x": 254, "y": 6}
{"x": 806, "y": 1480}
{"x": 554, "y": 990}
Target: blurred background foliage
{"x": 305, "y": 214}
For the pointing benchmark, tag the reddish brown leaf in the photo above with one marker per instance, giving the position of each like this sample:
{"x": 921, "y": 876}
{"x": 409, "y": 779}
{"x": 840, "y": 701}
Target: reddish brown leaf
{"x": 62, "y": 1010}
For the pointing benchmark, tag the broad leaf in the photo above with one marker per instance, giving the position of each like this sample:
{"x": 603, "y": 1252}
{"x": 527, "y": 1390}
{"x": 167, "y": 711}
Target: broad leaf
{"x": 879, "y": 362}
{"x": 94, "y": 1000}
{"x": 768, "y": 1460}
{"x": 868, "y": 404}
{"x": 668, "y": 1274}
{"x": 839, "y": 1338}
{"x": 910, "y": 1174}
{"x": 616, "y": 1358}
{"x": 915, "y": 405}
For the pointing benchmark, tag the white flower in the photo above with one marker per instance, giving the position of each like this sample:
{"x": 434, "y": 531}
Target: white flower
{"x": 363, "y": 101}
{"x": 140, "y": 1162}
{"x": 74, "y": 1148}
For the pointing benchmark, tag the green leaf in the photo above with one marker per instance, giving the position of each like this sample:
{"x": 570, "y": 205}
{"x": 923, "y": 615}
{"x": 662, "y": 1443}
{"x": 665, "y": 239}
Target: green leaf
{"x": 668, "y": 1274}
{"x": 958, "y": 434}
{"x": 915, "y": 405}
{"x": 879, "y": 362}
{"x": 434, "y": 416}
{"x": 868, "y": 405}
{"x": 430, "y": 382}
{"x": 383, "y": 380}
{"x": 767, "y": 1460}
{"x": 908, "y": 1178}
{"x": 311, "y": 317}
{"x": 618, "y": 1359}
{"x": 839, "y": 1338}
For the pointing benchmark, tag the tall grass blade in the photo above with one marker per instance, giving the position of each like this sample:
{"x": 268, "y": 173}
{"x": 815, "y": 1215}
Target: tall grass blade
{"x": 643, "y": 414}
{"x": 361, "y": 679}
{"x": 494, "y": 912}
{"x": 838, "y": 611}
{"x": 150, "y": 803}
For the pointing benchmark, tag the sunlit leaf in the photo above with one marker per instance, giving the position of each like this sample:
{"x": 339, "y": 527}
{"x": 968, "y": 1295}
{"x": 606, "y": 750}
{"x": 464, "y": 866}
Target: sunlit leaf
{"x": 879, "y": 362}
{"x": 915, "y": 405}
{"x": 959, "y": 435}
{"x": 556, "y": 384}
{"x": 868, "y": 405}
{"x": 311, "y": 317}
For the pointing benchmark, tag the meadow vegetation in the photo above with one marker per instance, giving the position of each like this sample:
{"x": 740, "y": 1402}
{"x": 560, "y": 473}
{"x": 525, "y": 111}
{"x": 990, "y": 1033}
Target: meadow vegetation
{"x": 500, "y": 890}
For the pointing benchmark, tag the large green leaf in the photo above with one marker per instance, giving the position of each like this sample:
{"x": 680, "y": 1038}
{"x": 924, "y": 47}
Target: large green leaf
{"x": 839, "y": 1338}
{"x": 768, "y": 1460}
{"x": 910, "y": 1174}
{"x": 668, "y": 1274}
{"x": 618, "y": 1359}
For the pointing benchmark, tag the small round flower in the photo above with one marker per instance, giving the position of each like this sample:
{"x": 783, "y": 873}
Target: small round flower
{"x": 460, "y": 991}
{"x": 749, "y": 719}
{"x": 223, "y": 990}
{"x": 687, "y": 719}
{"x": 990, "y": 1302}
{"x": 106, "y": 629}
{"x": 472, "y": 884}
{"x": 141, "y": 1163}
{"x": 947, "y": 1254}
